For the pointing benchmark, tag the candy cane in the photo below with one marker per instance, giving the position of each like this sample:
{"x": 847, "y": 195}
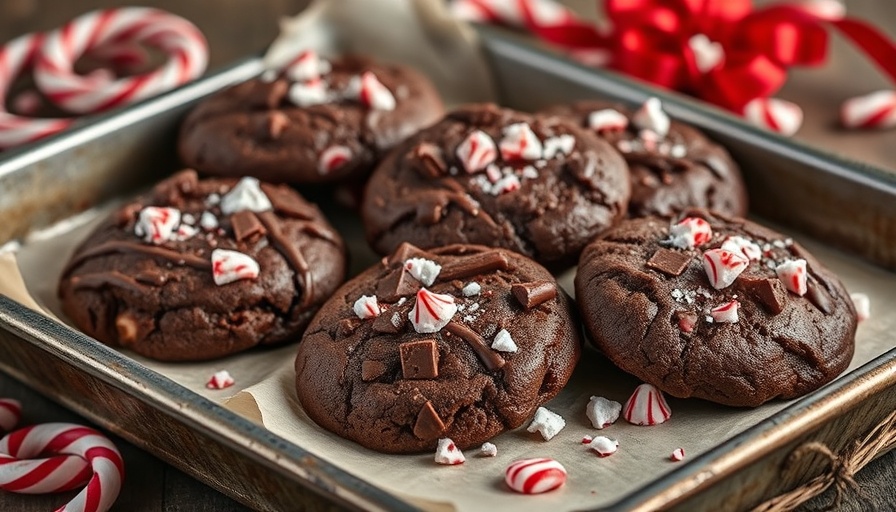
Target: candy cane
{"x": 875, "y": 110}
{"x": 774, "y": 114}
{"x": 72, "y": 455}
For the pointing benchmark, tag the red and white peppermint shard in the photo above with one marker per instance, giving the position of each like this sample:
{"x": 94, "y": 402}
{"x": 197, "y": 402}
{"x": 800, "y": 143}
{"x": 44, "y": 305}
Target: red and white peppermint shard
{"x": 607, "y": 120}
{"x": 507, "y": 183}
{"x": 773, "y": 114}
{"x": 305, "y": 67}
{"x": 722, "y": 267}
{"x": 604, "y": 446}
{"x": 745, "y": 247}
{"x": 448, "y": 453}
{"x": 651, "y": 117}
{"x": 10, "y": 413}
{"x": 229, "y": 266}
{"x": 157, "y": 224}
{"x": 56, "y": 457}
{"x": 307, "y": 94}
{"x": 535, "y": 476}
{"x": 367, "y": 306}
{"x": 677, "y": 455}
{"x": 647, "y": 406}
{"x": 587, "y": 439}
{"x": 431, "y": 311}
{"x": 707, "y": 53}
{"x": 875, "y": 110}
{"x": 687, "y": 323}
{"x": 520, "y": 143}
{"x": 546, "y": 423}
{"x": 488, "y": 450}
{"x": 245, "y": 195}
{"x": 220, "y": 380}
{"x": 862, "y": 304}
{"x": 477, "y": 151}
{"x": 602, "y": 412}
{"x": 423, "y": 270}
{"x": 726, "y": 313}
{"x": 503, "y": 342}
{"x": 333, "y": 158}
{"x": 793, "y": 275}
{"x": 372, "y": 93}
{"x": 690, "y": 232}
{"x": 558, "y": 145}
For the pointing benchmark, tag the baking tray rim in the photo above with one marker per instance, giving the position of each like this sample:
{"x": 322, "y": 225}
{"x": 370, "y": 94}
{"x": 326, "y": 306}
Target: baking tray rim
{"x": 84, "y": 353}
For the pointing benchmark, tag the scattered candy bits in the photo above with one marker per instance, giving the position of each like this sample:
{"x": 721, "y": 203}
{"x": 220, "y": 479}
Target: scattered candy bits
{"x": 157, "y": 224}
{"x": 651, "y": 117}
{"x": 602, "y": 412}
{"x": 792, "y": 274}
{"x": 546, "y": 423}
{"x": 603, "y": 446}
{"x": 743, "y": 246}
{"x": 448, "y": 453}
{"x": 677, "y": 455}
{"x": 726, "y": 313}
{"x": 477, "y": 151}
{"x": 520, "y": 143}
{"x": 862, "y": 304}
{"x": 607, "y": 120}
{"x": 690, "y": 232}
{"x": 220, "y": 380}
{"x": 488, "y": 450}
{"x": 647, "y": 406}
{"x": 367, "y": 306}
{"x": 423, "y": 270}
{"x": 503, "y": 342}
{"x": 333, "y": 158}
{"x": 246, "y": 195}
{"x": 722, "y": 267}
{"x": 431, "y": 311}
{"x": 535, "y": 476}
{"x": 229, "y": 266}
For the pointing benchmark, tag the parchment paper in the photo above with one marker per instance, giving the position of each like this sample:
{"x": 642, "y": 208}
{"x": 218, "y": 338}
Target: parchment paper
{"x": 266, "y": 377}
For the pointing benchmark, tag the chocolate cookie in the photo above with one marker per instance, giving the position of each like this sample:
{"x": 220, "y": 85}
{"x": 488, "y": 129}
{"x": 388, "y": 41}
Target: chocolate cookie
{"x": 486, "y": 175}
{"x": 461, "y": 342}
{"x": 715, "y": 307}
{"x": 202, "y": 269}
{"x": 673, "y": 166}
{"x": 314, "y": 121}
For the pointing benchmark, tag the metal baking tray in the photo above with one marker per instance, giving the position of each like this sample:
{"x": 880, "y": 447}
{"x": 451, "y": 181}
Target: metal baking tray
{"x": 843, "y": 203}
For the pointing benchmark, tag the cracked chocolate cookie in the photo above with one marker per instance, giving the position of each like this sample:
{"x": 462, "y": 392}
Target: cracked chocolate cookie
{"x": 462, "y": 342}
{"x": 485, "y": 175}
{"x": 673, "y": 166}
{"x": 715, "y": 307}
{"x": 314, "y": 121}
{"x": 202, "y": 269}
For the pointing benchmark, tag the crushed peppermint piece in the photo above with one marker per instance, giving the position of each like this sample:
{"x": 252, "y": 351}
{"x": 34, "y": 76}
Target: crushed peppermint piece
{"x": 546, "y": 423}
{"x": 245, "y": 195}
{"x": 520, "y": 143}
{"x": 744, "y": 246}
{"x": 188, "y": 219}
{"x": 586, "y": 439}
{"x": 726, "y": 313}
{"x": 678, "y": 151}
{"x": 690, "y": 232}
{"x": 647, "y": 406}
{"x": 862, "y": 304}
{"x": 493, "y": 173}
{"x": 229, "y": 266}
{"x": 488, "y": 450}
{"x": 306, "y": 94}
{"x": 722, "y": 267}
{"x": 305, "y": 67}
{"x": 477, "y": 152}
{"x": 367, "y": 306}
{"x": 431, "y": 311}
{"x": 535, "y": 476}
{"x": 677, "y": 455}
{"x": 157, "y": 224}
{"x": 333, "y": 158}
{"x": 423, "y": 270}
{"x": 472, "y": 289}
{"x": 607, "y": 120}
{"x": 212, "y": 199}
{"x": 448, "y": 453}
{"x": 651, "y": 117}
{"x": 529, "y": 172}
{"x": 559, "y": 145}
{"x": 208, "y": 221}
{"x": 184, "y": 232}
{"x": 602, "y": 412}
{"x": 503, "y": 342}
{"x": 603, "y": 446}
{"x": 220, "y": 380}
{"x": 792, "y": 274}
{"x": 368, "y": 89}
{"x": 474, "y": 307}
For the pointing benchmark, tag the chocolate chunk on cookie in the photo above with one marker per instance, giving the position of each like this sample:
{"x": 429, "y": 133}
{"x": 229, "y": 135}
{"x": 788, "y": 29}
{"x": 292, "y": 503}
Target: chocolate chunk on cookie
{"x": 748, "y": 317}
{"x": 200, "y": 269}
{"x": 313, "y": 121}
{"x": 673, "y": 166}
{"x": 455, "y": 355}
{"x": 485, "y": 175}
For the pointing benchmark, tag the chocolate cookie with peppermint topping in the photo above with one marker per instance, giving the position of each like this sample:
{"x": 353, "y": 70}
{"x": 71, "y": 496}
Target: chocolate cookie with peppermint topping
{"x": 486, "y": 175}
{"x": 673, "y": 165}
{"x": 313, "y": 121}
{"x": 200, "y": 269}
{"x": 460, "y": 342}
{"x": 715, "y": 307}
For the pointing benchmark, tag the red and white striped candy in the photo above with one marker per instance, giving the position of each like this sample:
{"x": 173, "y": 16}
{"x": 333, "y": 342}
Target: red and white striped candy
{"x": 677, "y": 455}
{"x": 745, "y": 247}
{"x": 72, "y": 454}
{"x": 157, "y": 224}
{"x": 543, "y": 13}
{"x": 333, "y": 158}
{"x": 307, "y": 94}
{"x": 774, "y": 114}
{"x": 726, "y": 313}
{"x": 304, "y": 67}
{"x": 792, "y": 274}
{"x": 477, "y": 151}
{"x": 367, "y": 306}
{"x": 647, "y": 406}
{"x": 722, "y": 267}
{"x": 875, "y": 110}
{"x": 220, "y": 380}
{"x": 535, "y": 476}
{"x": 431, "y": 311}
{"x": 10, "y": 413}
{"x": 423, "y": 270}
{"x": 448, "y": 453}
{"x": 690, "y": 232}
{"x": 371, "y": 92}
{"x": 507, "y": 183}
{"x": 604, "y": 446}
{"x": 650, "y": 116}
{"x": 607, "y": 120}
{"x": 229, "y": 266}
{"x": 520, "y": 143}
{"x": 176, "y": 37}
